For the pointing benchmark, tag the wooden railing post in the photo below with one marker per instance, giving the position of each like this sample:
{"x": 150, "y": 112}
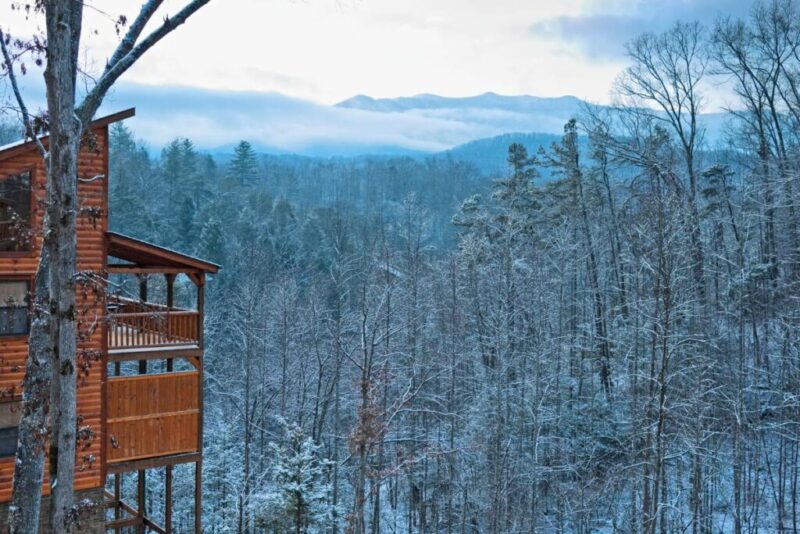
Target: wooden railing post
{"x": 170, "y": 289}
{"x": 143, "y": 288}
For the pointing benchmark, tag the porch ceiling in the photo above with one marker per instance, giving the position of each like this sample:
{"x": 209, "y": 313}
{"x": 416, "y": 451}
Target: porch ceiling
{"x": 143, "y": 256}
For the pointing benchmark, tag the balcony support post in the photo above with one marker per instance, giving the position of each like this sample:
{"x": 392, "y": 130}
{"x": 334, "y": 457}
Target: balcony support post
{"x": 117, "y": 498}
{"x": 168, "y": 499}
{"x": 140, "y": 497}
{"x": 168, "y": 482}
{"x": 198, "y": 473}
{"x": 141, "y": 490}
{"x": 198, "y": 496}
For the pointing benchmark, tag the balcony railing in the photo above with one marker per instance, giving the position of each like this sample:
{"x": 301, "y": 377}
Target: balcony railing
{"x": 133, "y": 324}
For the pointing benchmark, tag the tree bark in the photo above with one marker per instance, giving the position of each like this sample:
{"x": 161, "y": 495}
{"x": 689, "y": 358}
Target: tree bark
{"x": 63, "y": 41}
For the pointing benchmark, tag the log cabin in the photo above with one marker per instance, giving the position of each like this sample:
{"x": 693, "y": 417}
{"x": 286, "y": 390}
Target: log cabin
{"x": 140, "y": 358}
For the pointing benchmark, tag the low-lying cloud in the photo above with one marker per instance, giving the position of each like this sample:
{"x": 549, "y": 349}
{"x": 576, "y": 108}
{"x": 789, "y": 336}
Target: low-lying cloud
{"x": 279, "y": 123}
{"x": 216, "y": 120}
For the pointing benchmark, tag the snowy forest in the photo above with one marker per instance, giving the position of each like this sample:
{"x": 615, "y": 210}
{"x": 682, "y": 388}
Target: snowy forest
{"x": 407, "y": 345}
{"x": 605, "y": 338}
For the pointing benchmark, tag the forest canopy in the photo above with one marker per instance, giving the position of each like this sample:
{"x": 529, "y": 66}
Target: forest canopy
{"x": 613, "y": 347}
{"x": 603, "y": 338}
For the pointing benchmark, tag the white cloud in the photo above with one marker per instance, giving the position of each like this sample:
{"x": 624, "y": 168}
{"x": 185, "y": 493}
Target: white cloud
{"x": 237, "y": 54}
{"x": 215, "y": 117}
{"x": 328, "y": 50}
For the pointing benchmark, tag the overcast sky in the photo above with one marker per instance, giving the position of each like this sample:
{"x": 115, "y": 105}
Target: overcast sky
{"x": 269, "y": 70}
{"x": 329, "y": 50}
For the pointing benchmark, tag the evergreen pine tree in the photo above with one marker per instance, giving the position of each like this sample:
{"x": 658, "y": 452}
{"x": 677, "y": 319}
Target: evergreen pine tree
{"x": 212, "y": 240}
{"x": 129, "y": 168}
{"x": 299, "y": 499}
{"x": 185, "y": 224}
{"x": 244, "y": 165}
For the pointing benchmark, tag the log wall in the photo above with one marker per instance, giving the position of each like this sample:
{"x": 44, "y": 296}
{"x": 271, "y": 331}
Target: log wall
{"x": 92, "y": 225}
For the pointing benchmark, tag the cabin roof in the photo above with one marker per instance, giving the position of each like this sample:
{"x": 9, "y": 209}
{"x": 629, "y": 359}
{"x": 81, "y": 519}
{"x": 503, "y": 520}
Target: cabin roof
{"x": 24, "y": 145}
{"x": 149, "y": 256}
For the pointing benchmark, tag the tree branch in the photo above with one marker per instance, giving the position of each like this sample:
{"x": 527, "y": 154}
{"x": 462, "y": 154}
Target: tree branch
{"x": 134, "y": 31}
{"x": 92, "y": 101}
{"x": 26, "y": 118}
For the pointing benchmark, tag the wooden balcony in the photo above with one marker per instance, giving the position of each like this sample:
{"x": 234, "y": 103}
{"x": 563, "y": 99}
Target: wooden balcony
{"x": 154, "y": 418}
{"x": 139, "y": 327}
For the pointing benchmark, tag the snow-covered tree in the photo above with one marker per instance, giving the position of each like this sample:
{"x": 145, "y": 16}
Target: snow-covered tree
{"x": 299, "y": 498}
{"x": 244, "y": 165}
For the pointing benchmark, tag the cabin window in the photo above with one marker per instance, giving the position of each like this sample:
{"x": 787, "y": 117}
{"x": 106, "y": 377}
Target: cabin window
{"x": 14, "y": 307}
{"x": 9, "y": 427}
{"x": 15, "y": 212}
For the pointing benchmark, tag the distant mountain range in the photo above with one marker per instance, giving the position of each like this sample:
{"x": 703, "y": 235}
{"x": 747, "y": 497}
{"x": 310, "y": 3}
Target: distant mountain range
{"x": 524, "y": 104}
{"x": 463, "y": 127}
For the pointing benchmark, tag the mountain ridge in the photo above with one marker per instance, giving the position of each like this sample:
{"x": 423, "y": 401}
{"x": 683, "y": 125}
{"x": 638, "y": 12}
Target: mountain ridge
{"x": 487, "y": 100}
{"x": 360, "y": 125}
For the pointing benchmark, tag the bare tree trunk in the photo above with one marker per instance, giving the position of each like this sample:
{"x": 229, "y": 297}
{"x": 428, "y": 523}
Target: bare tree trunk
{"x": 376, "y": 492}
{"x": 63, "y": 41}
{"x": 363, "y": 435}
{"x": 571, "y": 164}
{"x": 244, "y": 496}
{"x": 62, "y": 291}
{"x": 451, "y": 395}
{"x": 615, "y": 245}
{"x": 359, "y": 500}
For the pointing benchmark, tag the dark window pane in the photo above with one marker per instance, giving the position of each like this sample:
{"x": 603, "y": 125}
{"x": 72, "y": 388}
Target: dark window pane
{"x": 13, "y": 321}
{"x": 8, "y": 441}
{"x": 15, "y": 212}
{"x": 13, "y": 307}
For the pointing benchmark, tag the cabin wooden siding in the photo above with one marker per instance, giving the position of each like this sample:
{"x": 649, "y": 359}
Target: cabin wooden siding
{"x": 92, "y": 225}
